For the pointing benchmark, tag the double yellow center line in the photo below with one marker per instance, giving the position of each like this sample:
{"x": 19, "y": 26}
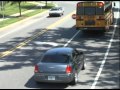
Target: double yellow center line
{"x": 20, "y": 45}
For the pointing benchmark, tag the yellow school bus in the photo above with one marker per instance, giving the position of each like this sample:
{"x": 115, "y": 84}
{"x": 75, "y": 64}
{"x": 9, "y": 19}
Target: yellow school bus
{"x": 93, "y": 15}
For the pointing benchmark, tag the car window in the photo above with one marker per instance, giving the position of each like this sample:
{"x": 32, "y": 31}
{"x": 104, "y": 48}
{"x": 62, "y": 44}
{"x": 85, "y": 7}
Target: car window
{"x": 55, "y": 58}
{"x": 54, "y": 9}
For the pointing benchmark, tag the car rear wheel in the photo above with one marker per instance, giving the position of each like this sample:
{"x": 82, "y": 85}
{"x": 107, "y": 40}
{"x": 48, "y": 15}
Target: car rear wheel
{"x": 60, "y": 14}
{"x": 37, "y": 82}
{"x": 75, "y": 80}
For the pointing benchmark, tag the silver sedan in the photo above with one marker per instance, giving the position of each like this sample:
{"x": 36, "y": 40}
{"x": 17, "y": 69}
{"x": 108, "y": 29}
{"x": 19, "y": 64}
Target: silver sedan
{"x": 56, "y": 11}
{"x": 60, "y": 65}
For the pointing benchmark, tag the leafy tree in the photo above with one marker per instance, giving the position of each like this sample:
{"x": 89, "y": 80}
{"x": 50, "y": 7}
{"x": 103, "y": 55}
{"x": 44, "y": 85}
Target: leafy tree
{"x": 45, "y": 3}
{"x": 2, "y": 4}
{"x": 2, "y": 8}
{"x": 19, "y": 5}
{"x": 19, "y": 2}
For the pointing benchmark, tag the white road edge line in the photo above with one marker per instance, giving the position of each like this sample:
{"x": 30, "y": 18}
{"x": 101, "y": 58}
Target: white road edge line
{"x": 105, "y": 57}
{"x": 22, "y": 27}
{"x": 71, "y": 39}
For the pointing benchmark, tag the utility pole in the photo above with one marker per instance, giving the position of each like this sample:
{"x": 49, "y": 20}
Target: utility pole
{"x": 2, "y": 8}
{"x": 0, "y": 5}
{"x": 46, "y": 3}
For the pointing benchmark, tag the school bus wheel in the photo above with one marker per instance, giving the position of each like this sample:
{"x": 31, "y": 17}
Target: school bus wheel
{"x": 77, "y": 28}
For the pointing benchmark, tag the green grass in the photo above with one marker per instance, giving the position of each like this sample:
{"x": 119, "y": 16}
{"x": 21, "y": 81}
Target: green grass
{"x": 39, "y": 10}
{"x": 15, "y": 19}
{"x": 12, "y": 9}
{"x": 9, "y": 21}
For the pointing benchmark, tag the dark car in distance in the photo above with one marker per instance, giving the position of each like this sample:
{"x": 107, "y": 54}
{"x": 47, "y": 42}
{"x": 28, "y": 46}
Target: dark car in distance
{"x": 60, "y": 65}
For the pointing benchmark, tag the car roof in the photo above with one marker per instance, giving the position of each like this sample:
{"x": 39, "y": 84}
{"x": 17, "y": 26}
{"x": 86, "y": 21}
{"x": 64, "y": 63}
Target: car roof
{"x": 60, "y": 50}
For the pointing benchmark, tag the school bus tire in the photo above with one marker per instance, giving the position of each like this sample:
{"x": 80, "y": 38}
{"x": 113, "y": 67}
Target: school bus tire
{"x": 77, "y": 28}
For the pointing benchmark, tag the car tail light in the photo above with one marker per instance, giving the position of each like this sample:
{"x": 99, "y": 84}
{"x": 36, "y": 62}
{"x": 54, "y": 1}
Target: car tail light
{"x": 78, "y": 5}
{"x": 36, "y": 69}
{"x": 68, "y": 69}
{"x": 100, "y": 17}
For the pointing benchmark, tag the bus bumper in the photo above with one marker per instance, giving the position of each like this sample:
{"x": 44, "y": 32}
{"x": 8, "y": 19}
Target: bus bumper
{"x": 91, "y": 28}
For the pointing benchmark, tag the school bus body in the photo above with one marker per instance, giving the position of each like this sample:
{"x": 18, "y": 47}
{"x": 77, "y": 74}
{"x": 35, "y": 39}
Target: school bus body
{"x": 94, "y": 15}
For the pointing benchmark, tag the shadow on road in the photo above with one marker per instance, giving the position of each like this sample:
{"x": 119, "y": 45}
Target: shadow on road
{"x": 32, "y": 84}
{"x": 94, "y": 46}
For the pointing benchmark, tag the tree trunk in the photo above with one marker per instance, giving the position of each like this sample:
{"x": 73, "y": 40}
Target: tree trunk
{"x": 1, "y": 5}
{"x": 2, "y": 8}
{"x": 45, "y": 3}
{"x": 19, "y": 7}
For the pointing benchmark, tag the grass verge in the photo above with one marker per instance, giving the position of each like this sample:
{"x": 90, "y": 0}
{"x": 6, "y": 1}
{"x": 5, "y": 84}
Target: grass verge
{"x": 37, "y": 10}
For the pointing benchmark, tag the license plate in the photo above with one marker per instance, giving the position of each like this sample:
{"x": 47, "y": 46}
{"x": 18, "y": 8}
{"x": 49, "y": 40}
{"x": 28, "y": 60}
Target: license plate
{"x": 51, "y": 77}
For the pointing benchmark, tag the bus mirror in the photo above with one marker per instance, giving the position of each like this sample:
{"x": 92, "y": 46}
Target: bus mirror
{"x": 74, "y": 16}
{"x": 114, "y": 3}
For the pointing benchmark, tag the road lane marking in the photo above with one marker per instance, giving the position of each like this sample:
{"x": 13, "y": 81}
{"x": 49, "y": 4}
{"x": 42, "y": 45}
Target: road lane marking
{"x": 71, "y": 39}
{"x": 25, "y": 21}
{"x": 105, "y": 57}
{"x": 48, "y": 43}
{"x": 9, "y": 52}
{"x": 20, "y": 27}
{"x": 60, "y": 21}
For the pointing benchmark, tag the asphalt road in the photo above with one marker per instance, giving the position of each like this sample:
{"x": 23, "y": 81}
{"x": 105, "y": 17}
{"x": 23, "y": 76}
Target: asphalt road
{"x": 22, "y": 47}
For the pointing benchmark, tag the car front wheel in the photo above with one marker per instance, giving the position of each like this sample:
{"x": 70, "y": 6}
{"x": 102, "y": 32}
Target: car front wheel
{"x": 49, "y": 15}
{"x": 84, "y": 65}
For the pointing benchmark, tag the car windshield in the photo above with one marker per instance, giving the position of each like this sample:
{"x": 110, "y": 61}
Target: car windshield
{"x": 54, "y": 9}
{"x": 87, "y": 11}
{"x": 55, "y": 58}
